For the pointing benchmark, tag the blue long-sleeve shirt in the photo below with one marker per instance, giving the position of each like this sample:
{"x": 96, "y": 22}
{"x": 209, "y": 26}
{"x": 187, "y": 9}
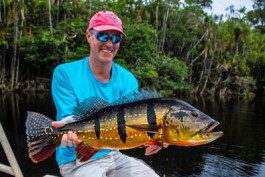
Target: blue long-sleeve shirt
{"x": 74, "y": 82}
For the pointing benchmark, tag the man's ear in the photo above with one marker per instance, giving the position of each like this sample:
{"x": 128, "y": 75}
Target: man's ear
{"x": 88, "y": 36}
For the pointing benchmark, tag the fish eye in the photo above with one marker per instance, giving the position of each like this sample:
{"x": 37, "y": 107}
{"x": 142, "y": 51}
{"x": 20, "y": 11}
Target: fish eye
{"x": 193, "y": 114}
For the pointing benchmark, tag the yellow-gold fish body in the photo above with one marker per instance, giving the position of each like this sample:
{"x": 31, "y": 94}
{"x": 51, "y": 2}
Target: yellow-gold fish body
{"x": 141, "y": 118}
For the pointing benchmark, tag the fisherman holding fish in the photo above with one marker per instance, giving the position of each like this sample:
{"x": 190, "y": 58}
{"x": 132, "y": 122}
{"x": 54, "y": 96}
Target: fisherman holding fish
{"x": 100, "y": 111}
{"x": 96, "y": 75}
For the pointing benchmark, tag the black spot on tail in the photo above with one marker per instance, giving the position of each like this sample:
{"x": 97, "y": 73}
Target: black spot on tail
{"x": 121, "y": 125}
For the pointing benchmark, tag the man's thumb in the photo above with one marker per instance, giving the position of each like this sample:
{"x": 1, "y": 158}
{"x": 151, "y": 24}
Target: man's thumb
{"x": 58, "y": 124}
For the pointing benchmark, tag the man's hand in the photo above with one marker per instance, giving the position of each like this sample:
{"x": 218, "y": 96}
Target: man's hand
{"x": 69, "y": 139}
{"x": 153, "y": 149}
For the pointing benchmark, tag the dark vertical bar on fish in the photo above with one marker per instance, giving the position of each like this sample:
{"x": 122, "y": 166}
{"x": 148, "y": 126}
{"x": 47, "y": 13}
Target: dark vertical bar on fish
{"x": 121, "y": 124}
{"x": 97, "y": 127}
{"x": 151, "y": 118}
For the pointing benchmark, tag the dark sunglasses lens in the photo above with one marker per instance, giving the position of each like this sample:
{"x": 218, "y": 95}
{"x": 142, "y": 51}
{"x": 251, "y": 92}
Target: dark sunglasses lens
{"x": 104, "y": 37}
{"x": 116, "y": 39}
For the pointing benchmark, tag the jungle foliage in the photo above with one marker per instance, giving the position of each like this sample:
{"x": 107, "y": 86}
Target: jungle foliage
{"x": 172, "y": 45}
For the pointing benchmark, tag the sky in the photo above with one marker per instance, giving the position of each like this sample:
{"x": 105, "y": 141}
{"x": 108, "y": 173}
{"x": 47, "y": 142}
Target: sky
{"x": 219, "y": 6}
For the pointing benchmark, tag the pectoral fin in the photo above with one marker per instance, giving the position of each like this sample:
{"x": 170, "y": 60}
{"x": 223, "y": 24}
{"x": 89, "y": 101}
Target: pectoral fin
{"x": 145, "y": 127}
{"x": 153, "y": 142}
{"x": 85, "y": 152}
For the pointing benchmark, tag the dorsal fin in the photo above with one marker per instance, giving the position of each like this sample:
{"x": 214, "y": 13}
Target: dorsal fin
{"x": 88, "y": 107}
{"x": 137, "y": 96}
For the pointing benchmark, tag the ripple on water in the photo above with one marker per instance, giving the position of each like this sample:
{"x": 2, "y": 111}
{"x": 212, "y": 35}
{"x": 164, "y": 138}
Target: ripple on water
{"x": 217, "y": 165}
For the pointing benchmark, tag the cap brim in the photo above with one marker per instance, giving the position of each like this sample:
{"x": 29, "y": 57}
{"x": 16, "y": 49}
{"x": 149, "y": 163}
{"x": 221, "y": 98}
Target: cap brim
{"x": 108, "y": 27}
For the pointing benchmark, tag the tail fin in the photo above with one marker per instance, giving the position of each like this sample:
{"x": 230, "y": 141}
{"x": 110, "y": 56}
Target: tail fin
{"x": 40, "y": 139}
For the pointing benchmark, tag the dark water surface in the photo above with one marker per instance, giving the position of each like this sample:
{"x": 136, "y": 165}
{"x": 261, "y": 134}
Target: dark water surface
{"x": 240, "y": 152}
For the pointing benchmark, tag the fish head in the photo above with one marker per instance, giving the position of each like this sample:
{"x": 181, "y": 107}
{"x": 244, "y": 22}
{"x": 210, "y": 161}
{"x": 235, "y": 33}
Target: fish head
{"x": 184, "y": 125}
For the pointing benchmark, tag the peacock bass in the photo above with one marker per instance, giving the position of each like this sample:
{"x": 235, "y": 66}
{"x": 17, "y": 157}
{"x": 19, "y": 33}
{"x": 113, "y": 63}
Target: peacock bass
{"x": 140, "y": 118}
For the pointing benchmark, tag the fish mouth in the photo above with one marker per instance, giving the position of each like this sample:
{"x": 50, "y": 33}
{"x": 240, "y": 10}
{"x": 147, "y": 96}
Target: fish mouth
{"x": 209, "y": 127}
{"x": 207, "y": 131}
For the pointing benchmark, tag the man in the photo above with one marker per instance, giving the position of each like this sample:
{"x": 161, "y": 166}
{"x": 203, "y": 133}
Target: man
{"x": 96, "y": 75}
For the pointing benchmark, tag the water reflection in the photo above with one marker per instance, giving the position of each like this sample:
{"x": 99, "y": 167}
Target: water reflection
{"x": 240, "y": 152}
{"x": 13, "y": 114}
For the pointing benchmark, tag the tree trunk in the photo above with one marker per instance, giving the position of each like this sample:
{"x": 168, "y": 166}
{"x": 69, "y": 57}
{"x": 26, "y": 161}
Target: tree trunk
{"x": 199, "y": 83}
{"x": 75, "y": 8}
{"x": 1, "y": 14}
{"x": 210, "y": 67}
{"x": 3, "y": 19}
{"x": 3, "y": 61}
{"x": 156, "y": 40}
{"x": 58, "y": 12}
{"x": 20, "y": 36}
{"x": 3, "y": 66}
{"x": 197, "y": 57}
{"x": 14, "y": 58}
{"x": 50, "y": 17}
{"x": 164, "y": 29}
{"x": 202, "y": 73}
{"x": 208, "y": 74}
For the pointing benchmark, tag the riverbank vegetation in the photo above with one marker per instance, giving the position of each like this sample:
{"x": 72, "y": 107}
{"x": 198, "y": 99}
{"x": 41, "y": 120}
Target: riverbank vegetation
{"x": 172, "y": 46}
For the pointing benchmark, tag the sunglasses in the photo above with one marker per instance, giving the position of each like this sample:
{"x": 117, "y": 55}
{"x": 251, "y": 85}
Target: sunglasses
{"x": 104, "y": 37}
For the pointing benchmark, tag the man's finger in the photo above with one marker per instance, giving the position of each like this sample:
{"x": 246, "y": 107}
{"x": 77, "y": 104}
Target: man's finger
{"x": 75, "y": 139}
{"x": 70, "y": 143}
{"x": 57, "y": 124}
{"x": 66, "y": 120}
{"x": 152, "y": 149}
{"x": 64, "y": 141}
{"x": 70, "y": 136}
{"x": 165, "y": 145}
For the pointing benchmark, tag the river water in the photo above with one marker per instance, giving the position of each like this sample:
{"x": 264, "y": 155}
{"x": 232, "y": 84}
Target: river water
{"x": 240, "y": 152}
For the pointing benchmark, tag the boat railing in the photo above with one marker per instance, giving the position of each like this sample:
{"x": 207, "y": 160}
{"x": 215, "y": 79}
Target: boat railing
{"x": 14, "y": 168}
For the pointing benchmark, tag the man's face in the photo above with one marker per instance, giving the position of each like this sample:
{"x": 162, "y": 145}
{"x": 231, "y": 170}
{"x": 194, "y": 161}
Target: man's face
{"x": 103, "y": 52}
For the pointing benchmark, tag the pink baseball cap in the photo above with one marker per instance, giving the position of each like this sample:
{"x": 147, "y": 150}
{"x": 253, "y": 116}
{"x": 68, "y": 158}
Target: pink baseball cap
{"x": 105, "y": 20}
